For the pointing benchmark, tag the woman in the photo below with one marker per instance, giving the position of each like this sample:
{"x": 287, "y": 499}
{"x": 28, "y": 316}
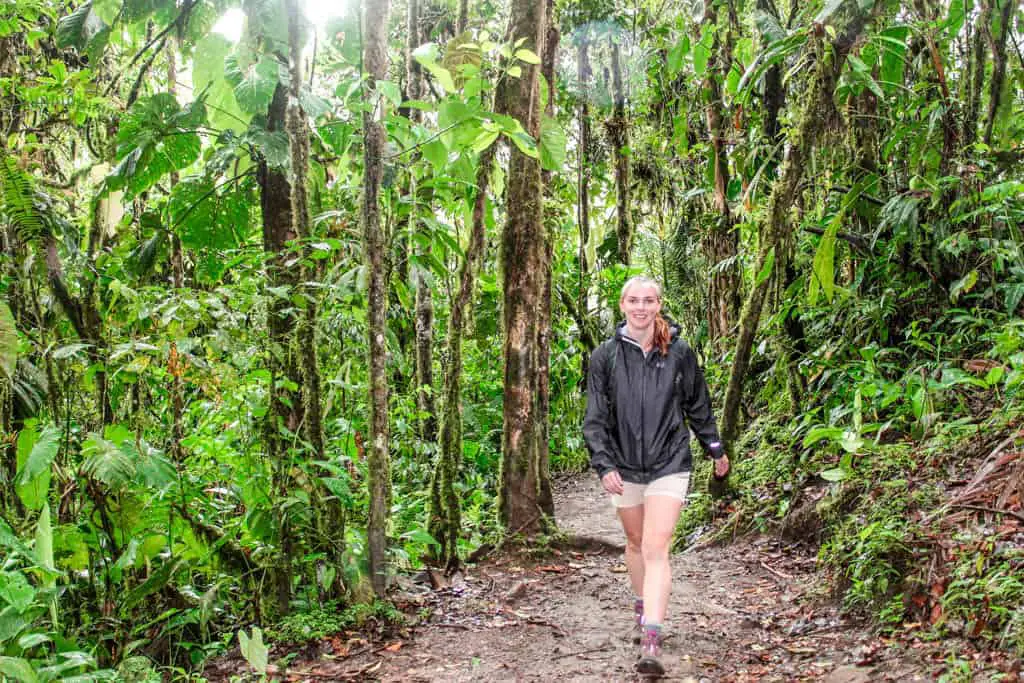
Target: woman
{"x": 645, "y": 393}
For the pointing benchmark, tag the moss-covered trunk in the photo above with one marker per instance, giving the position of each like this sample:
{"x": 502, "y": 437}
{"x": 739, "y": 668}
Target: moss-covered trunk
{"x": 818, "y": 108}
{"x": 284, "y": 417}
{"x": 375, "y": 21}
{"x": 523, "y": 255}
{"x": 618, "y": 136}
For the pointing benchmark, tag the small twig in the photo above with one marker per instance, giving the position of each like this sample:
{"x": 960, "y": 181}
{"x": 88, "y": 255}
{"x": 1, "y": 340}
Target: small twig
{"x": 428, "y": 140}
{"x": 536, "y": 621}
{"x": 997, "y": 511}
{"x": 577, "y": 654}
{"x": 776, "y": 572}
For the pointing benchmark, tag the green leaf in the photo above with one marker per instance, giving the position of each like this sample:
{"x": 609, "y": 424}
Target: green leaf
{"x": 107, "y": 462}
{"x": 18, "y": 669}
{"x": 768, "y": 26}
{"x": 676, "y": 54}
{"x": 436, "y": 153}
{"x": 16, "y": 591}
{"x": 828, "y": 10}
{"x": 10, "y": 541}
{"x": 44, "y": 557}
{"x": 766, "y": 268}
{"x": 824, "y": 264}
{"x": 253, "y": 649}
{"x": 390, "y": 91}
{"x": 208, "y": 76}
{"x": 8, "y": 341}
{"x": 963, "y": 285}
{"x": 254, "y": 84}
{"x": 155, "y": 138}
{"x": 81, "y": 28}
{"x": 35, "y": 457}
{"x": 206, "y": 216}
{"x": 552, "y": 144}
{"x": 702, "y": 51}
{"x": 156, "y": 581}
{"x": 528, "y": 56}
{"x": 835, "y": 474}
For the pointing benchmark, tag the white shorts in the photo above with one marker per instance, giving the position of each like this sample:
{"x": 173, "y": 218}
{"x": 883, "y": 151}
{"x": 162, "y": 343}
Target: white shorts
{"x": 673, "y": 486}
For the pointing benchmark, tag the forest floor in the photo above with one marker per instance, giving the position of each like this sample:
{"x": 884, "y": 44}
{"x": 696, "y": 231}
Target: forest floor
{"x": 750, "y": 611}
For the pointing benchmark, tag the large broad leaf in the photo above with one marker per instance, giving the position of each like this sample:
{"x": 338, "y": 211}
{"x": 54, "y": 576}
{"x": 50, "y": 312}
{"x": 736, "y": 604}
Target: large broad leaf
{"x": 552, "y": 144}
{"x": 205, "y": 216}
{"x": 109, "y": 460}
{"x": 824, "y": 265}
{"x": 702, "y": 51}
{"x": 8, "y": 342}
{"x": 208, "y": 77}
{"x": 35, "y": 457}
{"x": 156, "y": 137}
{"x": 254, "y": 84}
{"x": 18, "y": 669}
{"x": 80, "y": 28}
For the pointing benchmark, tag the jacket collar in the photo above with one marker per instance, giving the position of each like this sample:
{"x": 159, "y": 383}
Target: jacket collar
{"x": 620, "y": 333}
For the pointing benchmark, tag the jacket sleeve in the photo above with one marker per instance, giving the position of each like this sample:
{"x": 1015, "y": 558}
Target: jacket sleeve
{"x": 596, "y": 424}
{"x": 696, "y": 404}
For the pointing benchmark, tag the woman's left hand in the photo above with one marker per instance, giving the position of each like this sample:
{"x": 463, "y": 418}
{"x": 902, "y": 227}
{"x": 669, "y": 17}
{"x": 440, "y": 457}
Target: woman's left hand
{"x": 722, "y": 467}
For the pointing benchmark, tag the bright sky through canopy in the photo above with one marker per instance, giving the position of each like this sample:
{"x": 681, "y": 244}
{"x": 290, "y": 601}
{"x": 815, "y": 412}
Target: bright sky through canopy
{"x": 316, "y": 11}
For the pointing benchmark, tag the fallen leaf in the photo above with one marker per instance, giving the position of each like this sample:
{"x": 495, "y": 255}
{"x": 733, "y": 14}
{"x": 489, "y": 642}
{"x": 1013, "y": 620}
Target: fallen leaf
{"x": 394, "y": 647}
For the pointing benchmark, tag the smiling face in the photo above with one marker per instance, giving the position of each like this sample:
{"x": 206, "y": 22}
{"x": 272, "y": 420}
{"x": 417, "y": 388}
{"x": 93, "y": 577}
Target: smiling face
{"x": 640, "y": 304}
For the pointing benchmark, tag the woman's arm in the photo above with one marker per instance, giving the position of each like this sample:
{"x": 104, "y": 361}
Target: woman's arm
{"x": 596, "y": 423}
{"x": 696, "y": 404}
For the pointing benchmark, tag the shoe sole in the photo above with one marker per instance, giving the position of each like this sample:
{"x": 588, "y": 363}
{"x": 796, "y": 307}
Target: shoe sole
{"x": 649, "y": 666}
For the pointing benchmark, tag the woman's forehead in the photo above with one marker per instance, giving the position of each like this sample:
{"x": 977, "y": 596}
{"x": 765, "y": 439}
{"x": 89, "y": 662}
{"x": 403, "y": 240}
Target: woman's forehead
{"x": 642, "y": 290}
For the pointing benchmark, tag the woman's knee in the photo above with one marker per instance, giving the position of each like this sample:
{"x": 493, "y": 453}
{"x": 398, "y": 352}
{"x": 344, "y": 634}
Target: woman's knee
{"x": 634, "y": 543}
{"x": 654, "y": 549}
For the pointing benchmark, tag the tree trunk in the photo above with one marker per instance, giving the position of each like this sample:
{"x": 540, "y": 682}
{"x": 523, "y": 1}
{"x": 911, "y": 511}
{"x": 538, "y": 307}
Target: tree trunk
{"x": 618, "y": 136}
{"x": 444, "y": 514}
{"x": 375, "y": 23}
{"x": 284, "y": 417}
{"x": 998, "y": 66}
{"x": 977, "y": 81}
{"x": 817, "y": 109}
{"x": 546, "y": 498}
{"x": 584, "y": 74}
{"x": 175, "y": 365}
{"x": 523, "y": 255}
{"x": 721, "y": 241}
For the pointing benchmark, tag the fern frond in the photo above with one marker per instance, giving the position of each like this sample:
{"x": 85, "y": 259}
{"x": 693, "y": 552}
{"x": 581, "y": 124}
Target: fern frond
{"x": 19, "y": 200}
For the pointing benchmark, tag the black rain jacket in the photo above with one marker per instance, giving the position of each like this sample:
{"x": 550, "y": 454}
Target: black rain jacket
{"x": 644, "y": 433}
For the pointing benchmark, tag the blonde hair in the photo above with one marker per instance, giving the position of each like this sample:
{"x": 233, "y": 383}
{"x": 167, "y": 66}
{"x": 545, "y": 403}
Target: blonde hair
{"x": 662, "y": 336}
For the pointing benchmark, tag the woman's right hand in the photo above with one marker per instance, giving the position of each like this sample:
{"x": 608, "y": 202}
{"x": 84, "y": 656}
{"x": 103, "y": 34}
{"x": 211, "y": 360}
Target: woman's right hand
{"x": 612, "y": 483}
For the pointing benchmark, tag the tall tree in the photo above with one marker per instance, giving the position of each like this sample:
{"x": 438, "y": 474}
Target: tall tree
{"x": 618, "y": 136}
{"x": 720, "y": 240}
{"x": 818, "y": 107}
{"x": 523, "y": 263}
{"x": 375, "y": 24}
{"x": 425, "y": 403}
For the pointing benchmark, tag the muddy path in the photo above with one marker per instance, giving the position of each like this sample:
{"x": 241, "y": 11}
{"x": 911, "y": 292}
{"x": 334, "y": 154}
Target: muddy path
{"x": 747, "y": 612}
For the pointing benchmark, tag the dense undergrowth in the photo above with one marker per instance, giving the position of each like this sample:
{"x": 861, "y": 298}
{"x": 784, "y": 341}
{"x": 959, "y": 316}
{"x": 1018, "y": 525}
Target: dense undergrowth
{"x": 907, "y": 481}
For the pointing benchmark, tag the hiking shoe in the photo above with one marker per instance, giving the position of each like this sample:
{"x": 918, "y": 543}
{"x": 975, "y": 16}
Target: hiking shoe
{"x": 650, "y": 653}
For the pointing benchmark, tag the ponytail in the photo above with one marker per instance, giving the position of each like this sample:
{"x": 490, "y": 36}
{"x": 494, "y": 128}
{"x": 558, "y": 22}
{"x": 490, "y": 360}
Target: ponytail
{"x": 661, "y": 336}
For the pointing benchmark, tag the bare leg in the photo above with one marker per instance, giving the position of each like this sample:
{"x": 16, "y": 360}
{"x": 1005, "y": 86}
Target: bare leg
{"x": 633, "y": 524}
{"x": 659, "y": 521}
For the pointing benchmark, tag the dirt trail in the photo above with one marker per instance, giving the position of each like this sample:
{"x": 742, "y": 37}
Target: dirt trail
{"x": 738, "y": 613}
